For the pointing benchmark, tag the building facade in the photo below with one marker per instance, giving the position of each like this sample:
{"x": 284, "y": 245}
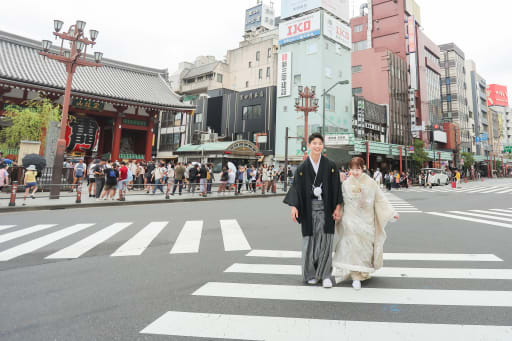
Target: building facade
{"x": 477, "y": 97}
{"x": 453, "y": 94}
{"x": 113, "y": 108}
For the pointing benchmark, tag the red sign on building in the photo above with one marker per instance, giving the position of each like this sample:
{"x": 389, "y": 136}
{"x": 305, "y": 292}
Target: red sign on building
{"x": 497, "y": 95}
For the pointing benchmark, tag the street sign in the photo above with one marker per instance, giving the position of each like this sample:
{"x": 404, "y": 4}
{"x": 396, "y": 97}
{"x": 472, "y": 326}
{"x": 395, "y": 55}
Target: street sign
{"x": 337, "y": 140}
{"x": 508, "y": 149}
{"x": 411, "y": 148}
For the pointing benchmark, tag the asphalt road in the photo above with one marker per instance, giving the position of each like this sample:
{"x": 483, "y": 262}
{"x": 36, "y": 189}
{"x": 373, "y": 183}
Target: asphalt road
{"x": 83, "y": 291}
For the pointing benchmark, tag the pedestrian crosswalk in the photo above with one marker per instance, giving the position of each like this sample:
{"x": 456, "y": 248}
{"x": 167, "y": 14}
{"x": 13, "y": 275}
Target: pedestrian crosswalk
{"x": 278, "y": 328}
{"x": 400, "y": 205}
{"x": 493, "y": 217}
{"x": 187, "y": 242}
{"x": 469, "y": 189}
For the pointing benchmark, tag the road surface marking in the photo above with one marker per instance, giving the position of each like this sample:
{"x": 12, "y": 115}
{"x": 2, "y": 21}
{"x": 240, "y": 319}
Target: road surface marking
{"x": 480, "y": 298}
{"x": 495, "y": 223}
{"x": 138, "y": 243}
{"x": 233, "y": 236}
{"x": 455, "y": 257}
{"x": 20, "y": 233}
{"x": 88, "y": 243}
{"x": 5, "y": 227}
{"x": 278, "y": 269}
{"x": 40, "y": 242}
{"x": 494, "y": 213}
{"x": 266, "y": 328}
{"x": 488, "y": 215}
{"x": 189, "y": 238}
{"x": 500, "y": 210}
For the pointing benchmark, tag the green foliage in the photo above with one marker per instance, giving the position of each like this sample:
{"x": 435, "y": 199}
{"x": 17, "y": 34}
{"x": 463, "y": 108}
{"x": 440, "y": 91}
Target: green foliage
{"x": 28, "y": 121}
{"x": 420, "y": 156}
{"x": 468, "y": 160}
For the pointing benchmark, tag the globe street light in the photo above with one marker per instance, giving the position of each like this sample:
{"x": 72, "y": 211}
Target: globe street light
{"x": 72, "y": 58}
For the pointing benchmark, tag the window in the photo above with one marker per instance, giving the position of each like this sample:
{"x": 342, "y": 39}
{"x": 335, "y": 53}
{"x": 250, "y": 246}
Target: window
{"x": 198, "y": 118}
{"x": 250, "y": 64}
{"x": 360, "y": 45}
{"x": 447, "y": 81}
{"x": 247, "y": 84}
{"x": 358, "y": 28}
{"x": 257, "y": 55}
{"x": 330, "y": 103}
{"x": 260, "y": 73}
{"x": 177, "y": 119}
{"x": 296, "y": 79}
{"x": 285, "y": 108}
{"x": 357, "y": 91}
{"x": 269, "y": 52}
{"x": 252, "y": 112}
{"x": 268, "y": 72}
{"x": 448, "y": 98}
{"x": 219, "y": 78}
{"x": 357, "y": 68}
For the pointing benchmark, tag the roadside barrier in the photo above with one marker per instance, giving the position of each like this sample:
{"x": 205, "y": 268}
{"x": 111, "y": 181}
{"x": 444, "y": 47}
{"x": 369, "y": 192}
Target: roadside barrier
{"x": 14, "y": 190}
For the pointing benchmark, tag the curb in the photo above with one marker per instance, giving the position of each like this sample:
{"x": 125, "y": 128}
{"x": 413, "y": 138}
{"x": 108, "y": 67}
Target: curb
{"x": 128, "y": 203}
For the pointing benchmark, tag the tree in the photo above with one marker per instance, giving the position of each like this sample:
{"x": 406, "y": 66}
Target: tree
{"x": 28, "y": 121}
{"x": 469, "y": 160}
{"x": 420, "y": 156}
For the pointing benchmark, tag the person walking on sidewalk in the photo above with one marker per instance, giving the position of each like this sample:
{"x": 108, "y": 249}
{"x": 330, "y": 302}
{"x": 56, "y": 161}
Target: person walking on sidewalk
{"x": 239, "y": 179}
{"x": 171, "y": 176}
{"x": 90, "y": 178}
{"x": 203, "y": 180}
{"x": 30, "y": 182}
{"x": 99, "y": 177}
{"x": 179, "y": 174}
{"x": 158, "y": 178}
{"x": 79, "y": 172}
{"x": 4, "y": 175}
{"x": 112, "y": 176}
{"x": 123, "y": 180}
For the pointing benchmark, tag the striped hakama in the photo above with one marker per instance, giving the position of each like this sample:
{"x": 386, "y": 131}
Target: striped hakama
{"x": 317, "y": 249}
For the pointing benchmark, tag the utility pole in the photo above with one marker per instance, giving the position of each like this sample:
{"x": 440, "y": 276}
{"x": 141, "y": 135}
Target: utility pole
{"x": 286, "y": 161}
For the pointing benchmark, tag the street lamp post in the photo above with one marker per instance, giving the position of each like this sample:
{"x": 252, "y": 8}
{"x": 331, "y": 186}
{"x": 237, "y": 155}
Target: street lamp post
{"x": 325, "y": 93}
{"x": 72, "y": 58}
{"x": 306, "y": 102}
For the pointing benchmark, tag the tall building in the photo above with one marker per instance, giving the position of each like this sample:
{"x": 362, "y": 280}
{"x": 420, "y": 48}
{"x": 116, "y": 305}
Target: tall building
{"x": 497, "y": 101}
{"x": 477, "y": 98}
{"x": 453, "y": 94}
{"x": 392, "y": 28}
{"x": 235, "y": 99}
{"x": 314, "y": 51}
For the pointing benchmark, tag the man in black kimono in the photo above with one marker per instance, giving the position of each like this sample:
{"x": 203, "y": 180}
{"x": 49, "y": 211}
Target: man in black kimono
{"x": 315, "y": 199}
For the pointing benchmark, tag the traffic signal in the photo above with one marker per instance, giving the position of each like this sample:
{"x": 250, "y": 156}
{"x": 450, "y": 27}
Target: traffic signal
{"x": 303, "y": 147}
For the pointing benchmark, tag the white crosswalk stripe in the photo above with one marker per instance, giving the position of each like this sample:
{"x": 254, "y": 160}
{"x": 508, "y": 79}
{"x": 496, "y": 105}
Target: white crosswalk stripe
{"x": 233, "y": 236}
{"x": 400, "y": 205}
{"x": 281, "y": 269}
{"x": 450, "y": 257}
{"x": 189, "y": 238}
{"x": 473, "y": 298}
{"x": 469, "y": 189}
{"x": 87, "y": 244}
{"x": 23, "y": 232}
{"x": 40, "y": 242}
{"x": 6, "y": 227}
{"x": 136, "y": 245}
{"x": 243, "y": 327}
{"x": 495, "y": 217}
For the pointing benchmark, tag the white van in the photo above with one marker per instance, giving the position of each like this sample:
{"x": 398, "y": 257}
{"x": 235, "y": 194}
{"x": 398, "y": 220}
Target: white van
{"x": 439, "y": 176}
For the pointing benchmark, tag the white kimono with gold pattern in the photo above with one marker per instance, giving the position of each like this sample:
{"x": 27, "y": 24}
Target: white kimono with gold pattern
{"x": 360, "y": 234}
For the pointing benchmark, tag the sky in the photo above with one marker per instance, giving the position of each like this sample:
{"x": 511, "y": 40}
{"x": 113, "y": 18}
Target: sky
{"x": 162, "y": 33}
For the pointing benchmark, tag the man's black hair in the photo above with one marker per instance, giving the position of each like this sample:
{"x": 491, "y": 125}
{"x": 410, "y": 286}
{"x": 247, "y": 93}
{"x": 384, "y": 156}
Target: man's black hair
{"x": 315, "y": 136}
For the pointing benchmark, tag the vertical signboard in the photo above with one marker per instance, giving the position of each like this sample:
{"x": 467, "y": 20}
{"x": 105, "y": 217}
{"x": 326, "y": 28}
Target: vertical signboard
{"x": 411, "y": 31}
{"x": 284, "y": 71}
{"x": 337, "y": 31}
{"x": 301, "y": 28}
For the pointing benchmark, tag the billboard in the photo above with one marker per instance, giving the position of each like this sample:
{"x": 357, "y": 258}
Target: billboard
{"x": 440, "y": 136}
{"x": 284, "y": 74}
{"x": 339, "y": 8}
{"x": 497, "y": 95}
{"x": 301, "y": 28}
{"x": 337, "y": 31}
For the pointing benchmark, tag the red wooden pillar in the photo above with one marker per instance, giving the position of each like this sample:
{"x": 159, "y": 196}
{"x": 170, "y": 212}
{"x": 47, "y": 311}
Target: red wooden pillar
{"x": 117, "y": 132}
{"x": 101, "y": 143}
{"x": 368, "y": 155}
{"x": 116, "y": 138}
{"x": 149, "y": 137}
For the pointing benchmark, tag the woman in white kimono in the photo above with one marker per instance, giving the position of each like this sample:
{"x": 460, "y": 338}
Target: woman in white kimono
{"x": 360, "y": 233}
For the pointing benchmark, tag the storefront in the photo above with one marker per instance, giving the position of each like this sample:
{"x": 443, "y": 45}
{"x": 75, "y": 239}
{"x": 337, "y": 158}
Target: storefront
{"x": 113, "y": 108}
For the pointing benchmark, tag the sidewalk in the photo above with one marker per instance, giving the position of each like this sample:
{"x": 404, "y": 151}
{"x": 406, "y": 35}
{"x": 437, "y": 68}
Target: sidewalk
{"x": 136, "y": 197}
